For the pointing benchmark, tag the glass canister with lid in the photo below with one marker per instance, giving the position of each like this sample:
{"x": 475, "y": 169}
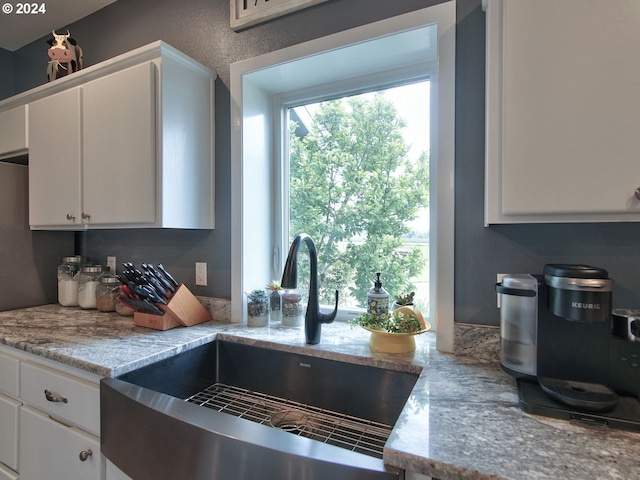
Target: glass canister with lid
{"x": 68, "y": 273}
{"x": 107, "y": 293}
{"x": 90, "y": 276}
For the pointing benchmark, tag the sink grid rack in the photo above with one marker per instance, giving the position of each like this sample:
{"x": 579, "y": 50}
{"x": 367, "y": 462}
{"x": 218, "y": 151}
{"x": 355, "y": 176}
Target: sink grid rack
{"x": 345, "y": 431}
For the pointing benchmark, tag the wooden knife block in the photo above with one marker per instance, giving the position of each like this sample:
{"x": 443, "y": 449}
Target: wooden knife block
{"x": 182, "y": 310}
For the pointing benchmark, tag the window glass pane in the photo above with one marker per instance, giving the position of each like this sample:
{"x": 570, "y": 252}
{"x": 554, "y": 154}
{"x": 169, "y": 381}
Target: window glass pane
{"x": 359, "y": 185}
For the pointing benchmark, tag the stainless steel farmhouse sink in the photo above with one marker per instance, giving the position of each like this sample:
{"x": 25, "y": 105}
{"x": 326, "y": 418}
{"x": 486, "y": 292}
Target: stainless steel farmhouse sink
{"x": 228, "y": 410}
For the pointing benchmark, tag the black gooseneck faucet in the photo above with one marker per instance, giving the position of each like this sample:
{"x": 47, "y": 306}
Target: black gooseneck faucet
{"x": 314, "y": 318}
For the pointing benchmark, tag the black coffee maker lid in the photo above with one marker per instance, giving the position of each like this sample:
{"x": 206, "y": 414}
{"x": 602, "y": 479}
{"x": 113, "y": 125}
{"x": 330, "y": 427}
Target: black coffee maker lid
{"x": 574, "y": 271}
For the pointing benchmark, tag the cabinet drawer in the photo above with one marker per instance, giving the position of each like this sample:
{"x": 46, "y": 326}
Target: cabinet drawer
{"x": 6, "y": 474}
{"x": 9, "y": 374}
{"x": 50, "y": 450}
{"x": 9, "y": 412}
{"x": 69, "y": 398}
{"x": 13, "y": 131}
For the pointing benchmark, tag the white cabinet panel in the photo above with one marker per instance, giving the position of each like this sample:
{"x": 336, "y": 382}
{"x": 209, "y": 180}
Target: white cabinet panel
{"x": 55, "y": 160}
{"x": 7, "y": 474}
{"x": 50, "y": 450}
{"x": 9, "y": 374}
{"x": 563, "y": 111}
{"x": 9, "y": 413}
{"x": 119, "y": 123}
{"x": 69, "y": 398}
{"x": 13, "y": 131}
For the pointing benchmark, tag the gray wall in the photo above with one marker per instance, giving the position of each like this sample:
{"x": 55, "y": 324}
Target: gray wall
{"x": 6, "y": 73}
{"x": 200, "y": 28}
{"x": 28, "y": 260}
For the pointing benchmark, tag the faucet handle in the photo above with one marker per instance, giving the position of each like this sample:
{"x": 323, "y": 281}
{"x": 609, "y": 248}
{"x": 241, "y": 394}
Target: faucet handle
{"x": 329, "y": 317}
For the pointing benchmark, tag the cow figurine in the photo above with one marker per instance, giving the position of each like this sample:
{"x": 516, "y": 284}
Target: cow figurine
{"x": 65, "y": 54}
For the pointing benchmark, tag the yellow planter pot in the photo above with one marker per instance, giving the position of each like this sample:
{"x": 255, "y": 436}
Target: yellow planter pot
{"x": 387, "y": 342}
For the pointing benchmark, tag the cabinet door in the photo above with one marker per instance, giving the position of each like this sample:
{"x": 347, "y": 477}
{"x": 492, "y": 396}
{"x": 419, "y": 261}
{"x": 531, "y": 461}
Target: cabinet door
{"x": 13, "y": 131}
{"x": 51, "y": 450}
{"x": 54, "y": 160}
{"x": 119, "y": 147}
{"x": 563, "y": 110}
{"x": 9, "y": 411}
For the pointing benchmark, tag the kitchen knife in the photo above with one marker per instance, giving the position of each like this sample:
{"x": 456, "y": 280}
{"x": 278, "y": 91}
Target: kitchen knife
{"x": 168, "y": 276}
{"x": 157, "y": 286}
{"x": 142, "y": 306}
{"x": 165, "y": 283}
{"x": 146, "y": 293}
{"x": 126, "y": 291}
{"x": 152, "y": 294}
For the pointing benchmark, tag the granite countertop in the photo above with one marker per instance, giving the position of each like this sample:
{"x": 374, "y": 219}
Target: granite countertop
{"x": 462, "y": 420}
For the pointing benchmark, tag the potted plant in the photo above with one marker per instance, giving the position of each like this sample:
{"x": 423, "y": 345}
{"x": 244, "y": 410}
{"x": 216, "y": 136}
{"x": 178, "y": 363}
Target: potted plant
{"x": 274, "y": 300}
{"x": 405, "y": 300}
{"x": 258, "y": 306}
{"x": 395, "y": 333}
{"x": 292, "y": 305}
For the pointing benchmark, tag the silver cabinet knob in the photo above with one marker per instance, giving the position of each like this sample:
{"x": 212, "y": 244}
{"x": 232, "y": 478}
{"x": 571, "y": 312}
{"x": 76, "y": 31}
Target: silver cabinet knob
{"x": 84, "y": 455}
{"x": 637, "y": 193}
{"x": 85, "y": 216}
{"x": 71, "y": 216}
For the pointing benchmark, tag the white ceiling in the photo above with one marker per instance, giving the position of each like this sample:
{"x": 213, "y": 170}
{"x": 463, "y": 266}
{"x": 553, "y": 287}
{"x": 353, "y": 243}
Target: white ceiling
{"x": 18, "y": 30}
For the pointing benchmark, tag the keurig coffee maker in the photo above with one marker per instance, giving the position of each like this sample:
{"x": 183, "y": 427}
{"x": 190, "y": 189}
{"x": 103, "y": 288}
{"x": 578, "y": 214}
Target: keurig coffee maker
{"x": 558, "y": 339}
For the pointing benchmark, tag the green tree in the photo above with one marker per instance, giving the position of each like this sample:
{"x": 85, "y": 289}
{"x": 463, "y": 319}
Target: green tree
{"x": 353, "y": 189}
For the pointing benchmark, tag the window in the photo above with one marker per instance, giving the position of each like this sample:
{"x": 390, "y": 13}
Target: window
{"x": 399, "y": 50}
{"x": 358, "y": 183}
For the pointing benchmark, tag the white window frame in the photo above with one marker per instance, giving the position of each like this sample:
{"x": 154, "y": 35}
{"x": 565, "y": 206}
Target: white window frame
{"x": 256, "y": 117}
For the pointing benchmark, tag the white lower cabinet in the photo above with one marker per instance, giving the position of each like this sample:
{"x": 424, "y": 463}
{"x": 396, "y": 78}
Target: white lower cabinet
{"x": 9, "y": 414}
{"x": 49, "y": 420}
{"x": 53, "y": 451}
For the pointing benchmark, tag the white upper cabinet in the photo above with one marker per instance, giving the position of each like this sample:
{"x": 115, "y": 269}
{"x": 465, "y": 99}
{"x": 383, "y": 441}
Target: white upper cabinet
{"x": 13, "y": 132}
{"x": 54, "y": 193}
{"x": 563, "y": 111}
{"x": 128, "y": 143}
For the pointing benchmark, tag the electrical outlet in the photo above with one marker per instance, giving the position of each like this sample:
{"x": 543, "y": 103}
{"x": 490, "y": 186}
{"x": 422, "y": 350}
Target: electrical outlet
{"x": 201, "y": 273}
{"x": 499, "y": 277}
{"x": 111, "y": 263}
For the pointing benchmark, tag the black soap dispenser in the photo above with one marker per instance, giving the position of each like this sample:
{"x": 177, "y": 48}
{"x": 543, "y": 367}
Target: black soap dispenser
{"x": 378, "y": 299}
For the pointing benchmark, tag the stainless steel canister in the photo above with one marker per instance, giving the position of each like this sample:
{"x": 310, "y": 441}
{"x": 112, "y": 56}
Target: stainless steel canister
{"x": 518, "y": 323}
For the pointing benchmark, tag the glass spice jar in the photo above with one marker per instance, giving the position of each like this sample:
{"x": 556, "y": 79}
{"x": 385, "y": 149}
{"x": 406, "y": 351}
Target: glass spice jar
{"x": 90, "y": 276}
{"x": 107, "y": 293}
{"x": 68, "y": 272}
